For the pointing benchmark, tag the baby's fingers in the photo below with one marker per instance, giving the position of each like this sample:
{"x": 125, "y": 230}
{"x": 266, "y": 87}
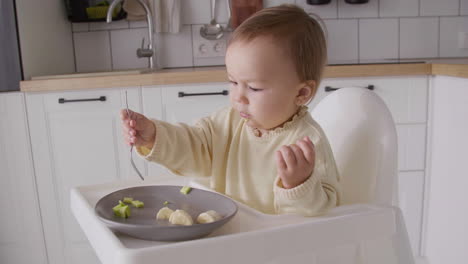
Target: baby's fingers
{"x": 308, "y": 149}
{"x": 298, "y": 154}
{"x": 280, "y": 163}
{"x": 288, "y": 156}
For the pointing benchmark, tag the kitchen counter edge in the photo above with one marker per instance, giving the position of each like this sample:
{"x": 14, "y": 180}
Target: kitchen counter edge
{"x": 218, "y": 74}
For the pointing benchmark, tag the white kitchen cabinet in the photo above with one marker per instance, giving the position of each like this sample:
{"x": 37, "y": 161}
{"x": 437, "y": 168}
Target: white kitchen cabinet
{"x": 447, "y": 215}
{"x": 21, "y": 236}
{"x": 76, "y": 143}
{"x": 407, "y": 99}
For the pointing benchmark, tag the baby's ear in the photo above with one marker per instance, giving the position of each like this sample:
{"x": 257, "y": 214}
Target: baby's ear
{"x": 306, "y": 92}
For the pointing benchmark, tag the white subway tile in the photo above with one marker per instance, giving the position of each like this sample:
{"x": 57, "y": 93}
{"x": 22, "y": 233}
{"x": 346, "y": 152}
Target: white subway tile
{"x": 92, "y": 51}
{"x": 80, "y": 27}
{"x": 324, "y": 11}
{"x": 118, "y": 24}
{"x": 439, "y": 7}
{"x": 342, "y": 41}
{"x": 378, "y": 39}
{"x": 124, "y": 46}
{"x": 450, "y": 28}
{"x": 419, "y": 37}
{"x": 196, "y": 11}
{"x": 138, "y": 24}
{"x": 270, "y": 3}
{"x": 175, "y": 50}
{"x": 464, "y": 7}
{"x": 369, "y": 9}
{"x": 398, "y": 8}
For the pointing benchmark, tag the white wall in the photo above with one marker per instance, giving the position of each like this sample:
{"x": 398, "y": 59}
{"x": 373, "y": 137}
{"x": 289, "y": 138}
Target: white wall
{"x": 379, "y": 31}
{"x": 447, "y": 195}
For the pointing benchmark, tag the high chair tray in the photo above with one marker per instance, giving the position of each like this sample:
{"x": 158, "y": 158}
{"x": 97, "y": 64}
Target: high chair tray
{"x": 360, "y": 233}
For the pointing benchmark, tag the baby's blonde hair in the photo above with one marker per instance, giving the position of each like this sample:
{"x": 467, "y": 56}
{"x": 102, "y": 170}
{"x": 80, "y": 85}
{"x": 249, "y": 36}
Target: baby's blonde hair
{"x": 292, "y": 27}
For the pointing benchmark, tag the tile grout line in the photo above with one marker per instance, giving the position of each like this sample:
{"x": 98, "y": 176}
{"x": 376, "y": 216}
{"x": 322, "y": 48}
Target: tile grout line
{"x": 438, "y": 37}
{"x": 399, "y": 39}
{"x": 358, "y": 40}
{"x": 110, "y": 50}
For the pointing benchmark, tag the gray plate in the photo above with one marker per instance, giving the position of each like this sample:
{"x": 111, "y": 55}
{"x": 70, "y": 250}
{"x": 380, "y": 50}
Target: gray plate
{"x": 142, "y": 222}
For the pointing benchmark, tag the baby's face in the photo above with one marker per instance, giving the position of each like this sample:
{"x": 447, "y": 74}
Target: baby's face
{"x": 264, "y": 83}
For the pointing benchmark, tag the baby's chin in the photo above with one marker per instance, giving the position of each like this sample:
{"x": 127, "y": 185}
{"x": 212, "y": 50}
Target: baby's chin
{"x": 251, "y": 123}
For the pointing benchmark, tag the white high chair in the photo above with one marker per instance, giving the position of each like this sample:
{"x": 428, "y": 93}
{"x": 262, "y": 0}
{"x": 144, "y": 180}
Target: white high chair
{"x": 363, "y": 138}
{"x": 365, "y": 229}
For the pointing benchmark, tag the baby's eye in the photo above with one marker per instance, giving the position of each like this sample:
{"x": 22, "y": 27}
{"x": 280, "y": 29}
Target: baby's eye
{"x": 255, "y": 89}
{"x": 233, "y": 82}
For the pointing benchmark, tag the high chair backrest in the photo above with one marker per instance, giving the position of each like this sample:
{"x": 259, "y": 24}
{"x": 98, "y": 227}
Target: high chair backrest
{"x": 363, "y": 138}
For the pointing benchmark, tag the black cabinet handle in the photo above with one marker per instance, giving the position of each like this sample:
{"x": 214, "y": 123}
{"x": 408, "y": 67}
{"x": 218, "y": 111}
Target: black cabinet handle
{"x": 182, "y": 94}
{"x": 331, "y": 89}
{"x": 63, "y": 100}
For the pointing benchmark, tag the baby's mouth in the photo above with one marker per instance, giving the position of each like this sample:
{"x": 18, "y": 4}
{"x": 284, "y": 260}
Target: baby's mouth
{"x": 244, "y": 115}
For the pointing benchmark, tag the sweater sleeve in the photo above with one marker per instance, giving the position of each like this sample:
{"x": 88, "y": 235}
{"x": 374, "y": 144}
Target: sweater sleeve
{"x": 319, "y": 193}
{"x": 183, "y": 149}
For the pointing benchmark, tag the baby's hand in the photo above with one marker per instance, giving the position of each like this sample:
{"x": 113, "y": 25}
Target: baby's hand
{"x": 295, "y": 162}
{"x": 137, "y": 129}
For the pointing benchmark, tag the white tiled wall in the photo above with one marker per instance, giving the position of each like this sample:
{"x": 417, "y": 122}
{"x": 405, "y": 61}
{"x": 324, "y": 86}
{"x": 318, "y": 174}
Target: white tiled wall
{"x": 379, "y": 31}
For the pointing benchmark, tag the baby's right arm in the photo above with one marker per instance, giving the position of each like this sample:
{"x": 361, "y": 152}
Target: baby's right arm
{"x": 137, "y": 129}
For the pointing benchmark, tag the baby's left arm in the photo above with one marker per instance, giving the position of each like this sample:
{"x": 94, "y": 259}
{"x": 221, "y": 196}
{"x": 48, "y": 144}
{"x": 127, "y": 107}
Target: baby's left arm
{"x": 307, "y": 181}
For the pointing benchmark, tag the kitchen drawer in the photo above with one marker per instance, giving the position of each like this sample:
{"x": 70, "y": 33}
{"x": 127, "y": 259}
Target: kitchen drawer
{"x": 113, "y": 100}
{"x": 406, "y": 97}
{"x": 188, "y": 109}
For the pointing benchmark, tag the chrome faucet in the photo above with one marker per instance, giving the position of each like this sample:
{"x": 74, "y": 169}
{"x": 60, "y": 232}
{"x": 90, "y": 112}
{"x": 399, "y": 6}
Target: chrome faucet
{"x": 141, "y": 52}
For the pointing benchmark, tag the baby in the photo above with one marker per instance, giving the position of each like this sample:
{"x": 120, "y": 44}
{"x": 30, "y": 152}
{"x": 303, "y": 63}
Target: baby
{"x": 265, "y": 150}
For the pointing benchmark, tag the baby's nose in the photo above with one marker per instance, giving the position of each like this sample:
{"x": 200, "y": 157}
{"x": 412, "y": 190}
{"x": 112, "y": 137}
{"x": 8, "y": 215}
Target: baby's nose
{"x": 239, "y": 97}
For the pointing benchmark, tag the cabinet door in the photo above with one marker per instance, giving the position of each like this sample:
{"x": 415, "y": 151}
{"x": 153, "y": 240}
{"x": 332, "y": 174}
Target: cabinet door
{"x": 75, "y": 143}
{"x": 447, "y": 214}
{"x": 21, "y": 237}
{"x": 197, "y": 103}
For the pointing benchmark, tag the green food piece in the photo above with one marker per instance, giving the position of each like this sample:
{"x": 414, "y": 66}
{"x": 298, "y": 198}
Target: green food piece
{"x": 122, "y": 211}
{"x": 121, "y": 203}
{"x": 185, "y": 189}
{"x": 127, "y": 199}
{"x": 138, "y": 204}
{"x": 166, "y": 203}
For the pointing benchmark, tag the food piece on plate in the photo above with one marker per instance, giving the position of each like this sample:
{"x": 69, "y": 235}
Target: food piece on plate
{"x": 138, "y": 204}
{"x": 166, "y": 203}
{"x": 127, "y": 199}
{"x": 180, "y": 217}
{"x": 185, "y": 189}
{"x": 208, "y": 217}
{"x": 121, "y": 210}
{"x": 164, "y": 213}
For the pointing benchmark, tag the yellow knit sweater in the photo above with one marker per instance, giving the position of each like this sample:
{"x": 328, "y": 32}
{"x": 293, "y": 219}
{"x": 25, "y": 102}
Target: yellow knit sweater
{"x": 242, "y": 165}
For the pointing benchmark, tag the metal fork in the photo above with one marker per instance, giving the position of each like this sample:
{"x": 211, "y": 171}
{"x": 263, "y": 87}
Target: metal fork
{"x": 131, "y": 147}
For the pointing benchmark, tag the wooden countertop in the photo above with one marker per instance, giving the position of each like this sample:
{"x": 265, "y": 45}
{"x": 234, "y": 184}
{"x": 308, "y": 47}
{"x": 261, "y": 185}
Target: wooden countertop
{"x": 218, "y": 74}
